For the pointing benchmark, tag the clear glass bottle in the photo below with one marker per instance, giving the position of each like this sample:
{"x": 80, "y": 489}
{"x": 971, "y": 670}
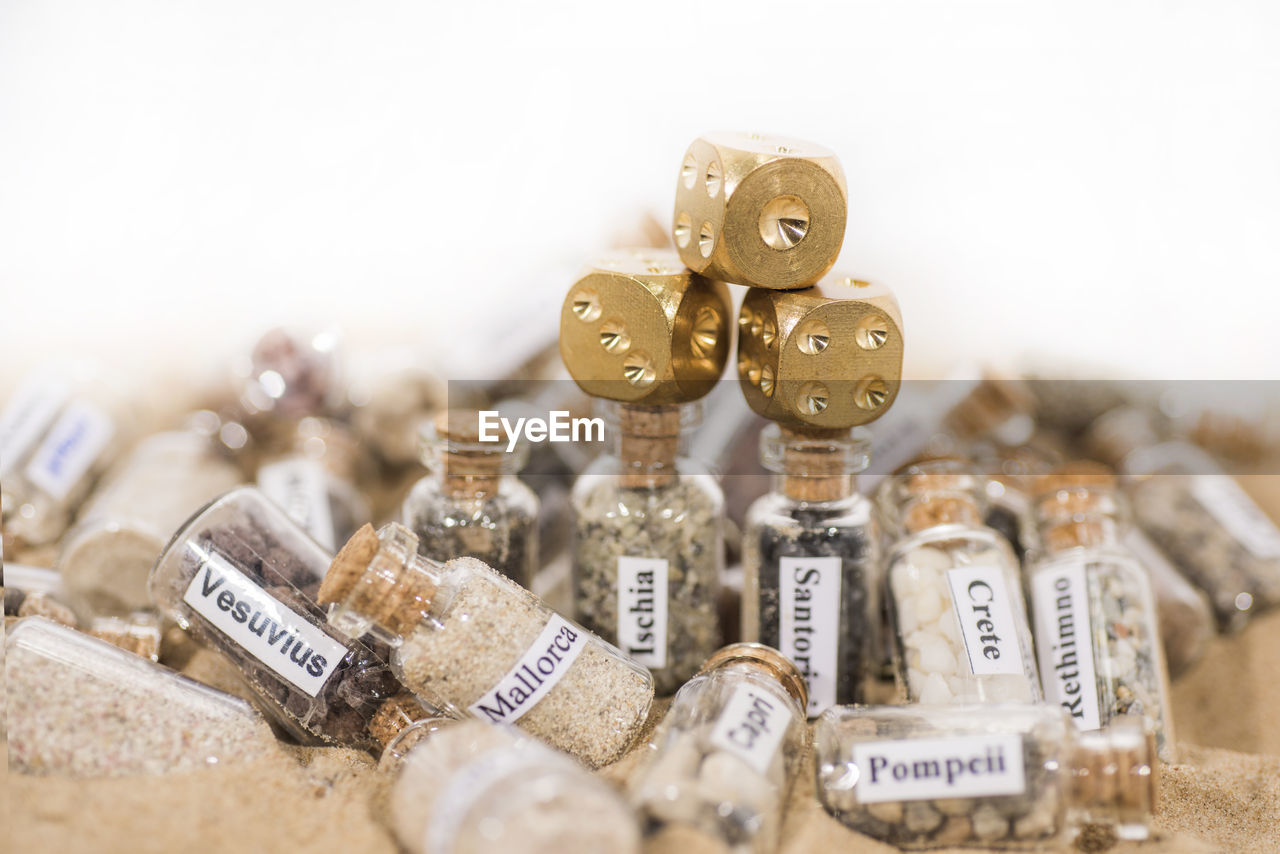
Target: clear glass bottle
{"x": 993, "y": 776}
{"x": 472, "y": 504}
{"x": 648, "y": 545}
{"x": 1095, "y": 615}
{"x": 30, "y": 591}
{"x": 313, "y": 477}
{"x": 106, "y": 557}
{"x": 80, "y": 707}
{"x": 726, "y": 754}
{"x": 467, "y": 787}
{"x": 242, "y": 578}
{"x": 958, "y": 620}
{"x": 1195, "y": 513}
{"x": 53, "y": 447}
{"x": 473, "y": 643}
{"x": 811, "y": 562}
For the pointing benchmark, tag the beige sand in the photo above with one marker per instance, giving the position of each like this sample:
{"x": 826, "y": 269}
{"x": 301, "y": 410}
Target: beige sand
{"x": 1223, "y": 796}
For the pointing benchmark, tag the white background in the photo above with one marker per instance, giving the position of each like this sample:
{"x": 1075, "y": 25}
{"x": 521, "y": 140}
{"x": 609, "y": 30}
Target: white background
{"x": 1092, "y": 184}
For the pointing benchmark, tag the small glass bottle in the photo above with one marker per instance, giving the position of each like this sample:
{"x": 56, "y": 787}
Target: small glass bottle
{"x": 80, "y": 707}
{"x": 313, "y": 477}
{"x": 811, "y": 561}
{"x": 467, "y": 787}
{"x": 106, "y": 557}
{"x": 994, "y": 776}
{"x": 242, "y": 578}
{"x": 1095, "y": 615}
{"x": 473, "y": 643}
{"x": 52, "y": 450}
{"x": 649, "y": 543}
{"x": 1198, "y": 515}
{"x": 30, "y": 591}
{"x": 959, "y": 625}
{"x": 726, "y": 754}
{"x": 472, "y": 504}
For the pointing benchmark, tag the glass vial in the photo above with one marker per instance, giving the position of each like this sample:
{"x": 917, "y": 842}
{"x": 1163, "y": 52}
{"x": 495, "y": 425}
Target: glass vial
{"x": 958, "y": 621}
{"x": 1095, "y": 615}
{"x": 313, "y": 477}
{"x": 52, "y": 449}
{"x": 473, "y": 643}
{"x": 726, "y": 754}
{"x": 648, "y": 545}
{"x": 80, "y": 707}
{"x": 466, "y": 787}
{"x": 472, "y": 504}
{"x": 811, "y": 562}
{"x": 106, "y": 557}
{"x": 242, "y": 578}
{"x": 992, "y": 776}
{"x": 1197, "y": 515}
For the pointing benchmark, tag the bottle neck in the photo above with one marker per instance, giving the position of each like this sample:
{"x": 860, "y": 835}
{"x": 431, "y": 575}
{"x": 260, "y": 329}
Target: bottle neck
{"x": 470, "y": 476}
{"x": 402, "y": 722}
{"x": 932, "y": 493}
{"x": 380, "y": 584}
{"x": 648, "y": 442}
{"x": 1114, "y": 776}
{"x": 1079, "y": 517}
{"x": 814, "y": 466}
{"x": 764, "y": 660}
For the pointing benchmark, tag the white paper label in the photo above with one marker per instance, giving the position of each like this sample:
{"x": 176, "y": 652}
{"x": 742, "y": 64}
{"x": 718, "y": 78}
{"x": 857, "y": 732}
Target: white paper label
{"x": 263, "y": 626}
{"x": 1235, "y": 511}
{"x": 915, "y": 769}
{"x": 26, "y": 416}
{"x": 642, "y": 609}
{"x": 1064, "y": 641}
{"x": 301, "y": 488}
{"x": 751, "y": 726}
{"x": 809, "y": 623}
{"x": 983, "y": 606}
{"x": 69, "y": 449}
{"x": 535, "y": 674}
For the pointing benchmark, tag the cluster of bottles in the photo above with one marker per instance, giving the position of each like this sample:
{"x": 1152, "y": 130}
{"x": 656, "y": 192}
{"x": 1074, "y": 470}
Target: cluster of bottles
{"x": 247, "y": 527}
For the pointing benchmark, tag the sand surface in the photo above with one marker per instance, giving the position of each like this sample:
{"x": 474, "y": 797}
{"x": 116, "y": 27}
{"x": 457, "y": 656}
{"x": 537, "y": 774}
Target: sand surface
{"x": 1223, "y": 795}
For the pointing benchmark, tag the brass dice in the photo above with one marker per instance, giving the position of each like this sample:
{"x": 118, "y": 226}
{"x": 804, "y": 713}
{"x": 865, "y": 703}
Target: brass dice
{"x": 761, "y": 211}
{"x": 827, "y": 357}
{"x": 638, "y": 327}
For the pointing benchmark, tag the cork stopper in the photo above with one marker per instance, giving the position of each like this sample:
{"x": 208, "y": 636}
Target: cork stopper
{"x": 649, "y": 441}
{"x": 1077, "y": 506}
{"x": 937, "y": 491}
{"x": 926, "y": 513}
{"x": 371, "y": 579}
{"x": 816, "y": 464}
{"x": 469, "y": 467}
{"x": 768, "y": 659}
{"x": 1114, "y": 774}
{"x": 395, "y": 714}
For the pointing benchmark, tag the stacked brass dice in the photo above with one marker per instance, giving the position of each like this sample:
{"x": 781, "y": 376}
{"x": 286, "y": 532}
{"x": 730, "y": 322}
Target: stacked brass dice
{"x": 817, "y": 351}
